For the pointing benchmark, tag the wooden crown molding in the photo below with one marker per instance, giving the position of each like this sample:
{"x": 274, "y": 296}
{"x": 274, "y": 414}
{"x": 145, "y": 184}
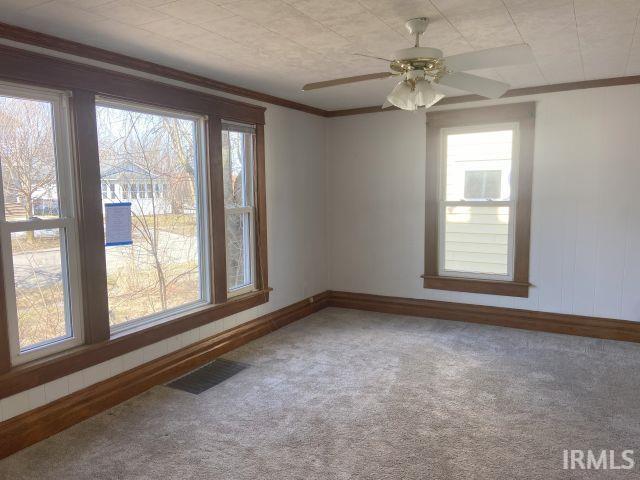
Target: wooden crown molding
{"x": 51, "y": 42}
{"x": 514, "y": 92}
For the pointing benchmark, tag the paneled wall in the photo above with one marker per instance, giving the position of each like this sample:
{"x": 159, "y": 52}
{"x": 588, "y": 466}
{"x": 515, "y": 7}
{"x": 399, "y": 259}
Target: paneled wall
{"x": 585, "y": 248}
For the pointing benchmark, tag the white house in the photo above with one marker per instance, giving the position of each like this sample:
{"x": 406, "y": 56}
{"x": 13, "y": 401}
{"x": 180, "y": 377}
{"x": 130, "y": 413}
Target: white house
{"x": 147, "y": 192}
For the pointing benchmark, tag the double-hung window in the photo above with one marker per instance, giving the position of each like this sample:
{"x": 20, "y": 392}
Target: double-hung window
{"x": 38, "y": 230}
{"x": 479, "y": 175}
{"x": 238, "y": 154}
{"x": 478, "y": 191}
{"x": 164, "y": 270}
{"x": 130, "y": 213}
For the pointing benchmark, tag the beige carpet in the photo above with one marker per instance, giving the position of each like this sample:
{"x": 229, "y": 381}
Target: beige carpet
{"x": 346, "y": 394}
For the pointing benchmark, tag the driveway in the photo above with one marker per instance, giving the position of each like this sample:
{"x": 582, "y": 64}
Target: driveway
{"x": 42, "y": 268}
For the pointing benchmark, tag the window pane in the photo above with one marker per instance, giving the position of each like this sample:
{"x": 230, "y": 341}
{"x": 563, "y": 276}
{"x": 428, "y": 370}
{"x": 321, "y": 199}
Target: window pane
{"x": 142, "y": 153}
{"x": 27, "y": 150}
{"x": 40, "y": 292}
{"x": 482, "y": 184}
{"x": 236, "y": 152}
{"x": 479, "y": 165}
{"x": 477, "y": 239}
{"x": 238, "y": 250}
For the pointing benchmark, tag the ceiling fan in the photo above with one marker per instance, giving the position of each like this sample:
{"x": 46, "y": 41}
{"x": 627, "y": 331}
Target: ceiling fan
{"x": 421, "y": 69}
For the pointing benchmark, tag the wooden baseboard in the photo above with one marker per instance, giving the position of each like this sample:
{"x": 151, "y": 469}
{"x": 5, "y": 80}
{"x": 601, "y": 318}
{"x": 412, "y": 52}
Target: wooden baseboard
{"x": 31, "y": 427}
{"x": 607, "y": 328}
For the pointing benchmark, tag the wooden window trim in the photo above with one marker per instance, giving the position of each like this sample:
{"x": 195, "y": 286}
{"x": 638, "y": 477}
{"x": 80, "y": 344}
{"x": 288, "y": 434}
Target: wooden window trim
{"x": 32, "y": 374}
{"x": 85, "y": 82}
{"x": 219, "y": 240}
{"x": 524, "y": 114}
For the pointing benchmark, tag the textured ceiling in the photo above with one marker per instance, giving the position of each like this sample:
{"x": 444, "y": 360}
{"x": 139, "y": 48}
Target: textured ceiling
{"x": 276, "y": 46}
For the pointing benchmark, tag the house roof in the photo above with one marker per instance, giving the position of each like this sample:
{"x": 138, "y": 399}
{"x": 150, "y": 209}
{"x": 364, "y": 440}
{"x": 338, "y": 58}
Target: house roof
{"x": 128, "y": 170}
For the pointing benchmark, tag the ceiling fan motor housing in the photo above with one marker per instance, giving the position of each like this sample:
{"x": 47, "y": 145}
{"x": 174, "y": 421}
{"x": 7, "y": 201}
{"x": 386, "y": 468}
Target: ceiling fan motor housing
{"x": 425, "y": 59}
{"x": 418, "y": 52}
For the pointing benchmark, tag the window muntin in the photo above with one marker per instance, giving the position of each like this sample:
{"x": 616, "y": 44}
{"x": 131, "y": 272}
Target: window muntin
{"x": 477, "y": 206}
{"x": 165, "y": 271}
{"x": 238, "y": 158}
{"x": 38, "y": 228}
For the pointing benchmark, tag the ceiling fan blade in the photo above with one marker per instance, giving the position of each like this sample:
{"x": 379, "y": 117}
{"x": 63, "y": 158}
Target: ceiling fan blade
{"x": 490, "y": 58}
{"x": 372, "y": 56}
{"x": 342, "y": 81}
{"x": 475, "y": 84}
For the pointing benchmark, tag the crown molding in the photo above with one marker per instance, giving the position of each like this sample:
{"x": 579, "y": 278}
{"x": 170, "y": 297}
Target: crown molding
{"x": 52, "y": 42}
{"x": 515, "y": 92}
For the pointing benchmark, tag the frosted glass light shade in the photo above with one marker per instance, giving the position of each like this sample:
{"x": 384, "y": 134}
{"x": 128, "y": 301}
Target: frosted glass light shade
{"x": 407, "y": 98}
{"x": 425, "y": 94}
{"x": 402, "y": 96}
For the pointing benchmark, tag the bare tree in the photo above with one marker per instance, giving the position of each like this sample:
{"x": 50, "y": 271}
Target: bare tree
{"x": 27, "y": 153}
{"x": 233, "y": 167}
{"x": 156, "y": 155}
{"x": 27, "y": 156}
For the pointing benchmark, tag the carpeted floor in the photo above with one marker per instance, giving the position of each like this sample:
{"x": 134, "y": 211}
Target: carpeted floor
{"x": 346, "y": 394}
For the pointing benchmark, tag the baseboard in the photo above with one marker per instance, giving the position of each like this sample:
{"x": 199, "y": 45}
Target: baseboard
{"x": 607, "y": 328}
{"x": 36, "y": 425}
{"x": 33, "y": 426}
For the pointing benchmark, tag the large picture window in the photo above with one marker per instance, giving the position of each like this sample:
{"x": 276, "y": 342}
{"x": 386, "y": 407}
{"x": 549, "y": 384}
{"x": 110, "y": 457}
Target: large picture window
{"x": 130, "y": 212}
{"x": 151, "y": 161}
{"x": 479, "y": 175}
{"x": 238, "y": 147}
{"x": 37, "y": 223}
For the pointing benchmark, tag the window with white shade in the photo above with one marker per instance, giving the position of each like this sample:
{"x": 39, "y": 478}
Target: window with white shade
{"x": 478, "y": 198}
{"x": 238, "y": 154}
{"x": 38, "y": 226}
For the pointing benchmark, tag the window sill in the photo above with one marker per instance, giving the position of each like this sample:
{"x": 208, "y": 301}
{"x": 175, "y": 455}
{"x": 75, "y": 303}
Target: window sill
{"x": 25, "y": 376}
{"x": 475, "y": 285}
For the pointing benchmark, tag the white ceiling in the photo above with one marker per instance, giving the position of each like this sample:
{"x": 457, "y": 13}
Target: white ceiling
{"x": 276, "y": 46}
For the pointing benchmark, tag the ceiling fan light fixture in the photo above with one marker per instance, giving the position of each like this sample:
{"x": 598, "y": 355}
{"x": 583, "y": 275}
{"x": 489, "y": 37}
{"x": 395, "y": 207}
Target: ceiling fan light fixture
{"x": 423, "y": 68}
{"x": 412, "y": 93}
{"x": 425, "y": 94}
{"x": 402, "y": 96}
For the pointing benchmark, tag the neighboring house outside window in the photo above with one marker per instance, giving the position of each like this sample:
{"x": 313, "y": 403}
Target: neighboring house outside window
{"x": 125, "y": 179}
{"x": 479, "y": 176}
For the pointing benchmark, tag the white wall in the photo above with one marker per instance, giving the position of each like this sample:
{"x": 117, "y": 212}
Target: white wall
{"x": 295, "y": 170}
{"x": 345, "y": 207}
{"x": 585, "y": 245}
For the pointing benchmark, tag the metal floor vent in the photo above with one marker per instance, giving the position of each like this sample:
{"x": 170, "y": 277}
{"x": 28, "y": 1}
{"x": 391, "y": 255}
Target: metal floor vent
{"x": 208, "y": 376}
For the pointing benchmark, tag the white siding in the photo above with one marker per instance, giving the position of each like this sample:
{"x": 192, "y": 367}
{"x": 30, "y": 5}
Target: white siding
{"x": 477, "y": 239}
